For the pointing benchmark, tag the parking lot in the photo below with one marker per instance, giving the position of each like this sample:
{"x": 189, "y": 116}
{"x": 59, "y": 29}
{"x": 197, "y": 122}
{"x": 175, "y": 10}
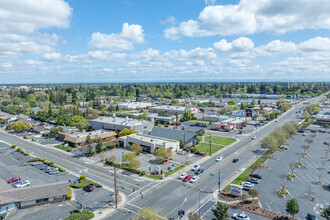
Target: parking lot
{"x": 304, "y": 183}
{"x": 14, "y": 164}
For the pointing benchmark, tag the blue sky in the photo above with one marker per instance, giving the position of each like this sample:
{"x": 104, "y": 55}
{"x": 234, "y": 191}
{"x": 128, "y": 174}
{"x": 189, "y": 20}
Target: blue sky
{"x": 54, "y": 41}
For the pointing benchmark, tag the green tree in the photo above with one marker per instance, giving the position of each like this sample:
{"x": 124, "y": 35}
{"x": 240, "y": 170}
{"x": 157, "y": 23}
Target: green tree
{"x": 64, "y": 120}
{"x": 99, "y": 145}
{"x": 134, "y": 164}
{"x": 325, "y": 213}
{"x": 221, "y": 211}
{"x": 89, "y": 139}
{"x": 19, "y": 126}
{"x": 232, "y": 102}
{"x": 128, "y": 157}
{"x": 126, "y": 132}
{"x": 136, "y": 148}
{"x": 148, "y": 213}
{"x": 163, "y": 153}
{"x": 292, "y": 207}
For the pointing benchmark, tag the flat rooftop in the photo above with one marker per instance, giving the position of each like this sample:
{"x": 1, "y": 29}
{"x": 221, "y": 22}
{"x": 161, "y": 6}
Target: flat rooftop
{"x": 121, "y": 121}
{"x": 151, "y": 139}
{"x": 85, "y": 134}
{"x": 169, "y": 107}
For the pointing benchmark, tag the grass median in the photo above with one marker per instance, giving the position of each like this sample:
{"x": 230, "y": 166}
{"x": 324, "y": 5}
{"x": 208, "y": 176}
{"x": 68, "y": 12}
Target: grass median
{"x": 85, "y": 182}
{"x": 61, "y": 147}
{"x": 167, "y": 173}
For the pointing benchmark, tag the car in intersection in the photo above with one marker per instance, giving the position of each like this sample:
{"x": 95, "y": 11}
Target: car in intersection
{"x": 194, "y": 179}
{"x": 253, "y": 137}
{"x": 219, "y": 159}
{"x": 182, "y": 175}
{"x": 195, "y": 167}
{"x": 187, "y": 178}
{"x": 235, "y": 160}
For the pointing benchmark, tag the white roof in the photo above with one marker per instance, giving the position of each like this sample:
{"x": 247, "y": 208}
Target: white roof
{"x": 121, "y": 121}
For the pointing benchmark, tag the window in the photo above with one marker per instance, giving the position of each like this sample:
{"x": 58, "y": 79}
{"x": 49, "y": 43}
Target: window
{"x": 42, "y": 200}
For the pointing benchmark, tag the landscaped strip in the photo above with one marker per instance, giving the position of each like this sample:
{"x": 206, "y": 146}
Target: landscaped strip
{"x": 61, "y": 147}
{"x": 85, "y": 182}
{"x": 167, "y": 173}
{"x": 217, "y": 143}
{"x": 84, "y": 215}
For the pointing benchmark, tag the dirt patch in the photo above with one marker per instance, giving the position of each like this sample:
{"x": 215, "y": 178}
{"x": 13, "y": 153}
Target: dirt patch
{"x": 226, "y": 195}
{"x": 254, "y": 206}
{"x": 310, "y": 197}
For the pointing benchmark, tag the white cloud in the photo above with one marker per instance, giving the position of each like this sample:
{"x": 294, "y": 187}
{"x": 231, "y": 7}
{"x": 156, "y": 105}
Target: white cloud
{"x": 275, "y": 47}
{"x": 52, "y": 56}
{"x": 146, "y": 54}
{"x": 194, "y": 54}
{"x": 6, "y": 65}
{"x": 32, "y": 62}
{"x": 250, "y": 16}
{"x": 107, "y": 70}
{"x": 169, "y": 20}
{"x": 238, "y": 45}
{"x": 315, "y": 44}
{"x": 23, "y": 19}
{"x": 130, "y": 35}
{"x": 106, "y": 55}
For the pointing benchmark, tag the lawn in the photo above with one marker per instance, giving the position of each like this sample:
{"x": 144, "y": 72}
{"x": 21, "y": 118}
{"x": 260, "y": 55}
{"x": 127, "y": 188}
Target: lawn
{"x": 61, "y": 147}
{"x": 198, "y": 120}
{"x": 217, "y": 143}
{"x": 85, "y": 182}
{"x": 167, "y": 173}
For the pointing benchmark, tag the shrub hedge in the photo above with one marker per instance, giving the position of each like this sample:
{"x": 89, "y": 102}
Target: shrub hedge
{"x": 69, "y": 194}
{"x": 126, "y": 168}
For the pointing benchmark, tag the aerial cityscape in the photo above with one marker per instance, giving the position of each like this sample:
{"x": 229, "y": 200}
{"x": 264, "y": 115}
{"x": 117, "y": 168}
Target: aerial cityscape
{"x": 164, "y": 110}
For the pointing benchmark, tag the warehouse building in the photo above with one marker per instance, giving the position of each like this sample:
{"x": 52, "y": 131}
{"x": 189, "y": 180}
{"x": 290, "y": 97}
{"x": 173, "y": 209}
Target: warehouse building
{"x": 149, "y": 143}
{"x": 169, "y": 109}
{"x": 119, "y": 123}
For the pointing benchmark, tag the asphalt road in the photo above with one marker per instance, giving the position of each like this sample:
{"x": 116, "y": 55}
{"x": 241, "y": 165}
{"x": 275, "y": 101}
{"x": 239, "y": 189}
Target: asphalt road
{"x": 168, "y": 196}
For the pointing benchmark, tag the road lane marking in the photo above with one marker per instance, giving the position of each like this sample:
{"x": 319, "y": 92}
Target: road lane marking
{"x": 100, "y": 173}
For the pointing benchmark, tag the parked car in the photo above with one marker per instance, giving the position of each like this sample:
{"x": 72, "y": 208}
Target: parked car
{"x": 284, "y": 147}
{"x": 22, "y": 184}
{"x": 219, "y": 159}
{"x": 194, "y": 179}
{"x": 304, "y": 134}
{"x": 88, "y": 188}
{"x": 276, "y": 120}
{"x": 252, "y": 180}
{"x": 182, "y": 175}
{"x": 44, "y": 167}
{"x": 241, "y": 216}
{"x": 36, "y": 163}
{"x": 255, "y": 175}
{"x": 196, "y": 167}
{"x": 187, "y": 178}
{"x": 311, "y": 217}
{"x": 235, "y": 160}
{"x": 49, "y": 169}
{"x": 247, "y": 186}
{"x": 53, "y": 172}
{"x": 253, "y": 137}
{"x": 199, "y": 171}
{"x": 154, "y": 173}
{"x": 14, "y": 179}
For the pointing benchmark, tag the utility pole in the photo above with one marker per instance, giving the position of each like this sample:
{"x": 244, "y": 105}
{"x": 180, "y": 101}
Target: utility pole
{"x": 219, "y": 181}
{"x": 210, "y": 140}
{"x": 115, "y": 183}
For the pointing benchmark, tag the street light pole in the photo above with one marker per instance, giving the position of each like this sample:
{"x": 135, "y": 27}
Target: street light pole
{"x": 219, "y": 181}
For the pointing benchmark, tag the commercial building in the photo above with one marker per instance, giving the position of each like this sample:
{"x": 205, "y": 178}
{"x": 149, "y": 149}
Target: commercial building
{"x": 79, "y": 139}
{"x": 163, "y": 119}
{"x": 134, "y": 105}
{"x": 186, "y": 135}
{"x": 149, "y": 143}
{"x": 169, "y": 109}
{"x": 244, "y": 113}
{"x": 119, "y": 123}
{"x": 13, "y": 198}
{"x": 230, "y": 123}
{"x": 323, "y": 117}
{"x": 212, "y": 117}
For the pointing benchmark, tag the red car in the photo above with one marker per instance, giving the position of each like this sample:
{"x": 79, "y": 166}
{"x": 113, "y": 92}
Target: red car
{"x": 14, "y": 179}
{"x": 187, "y": 178}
